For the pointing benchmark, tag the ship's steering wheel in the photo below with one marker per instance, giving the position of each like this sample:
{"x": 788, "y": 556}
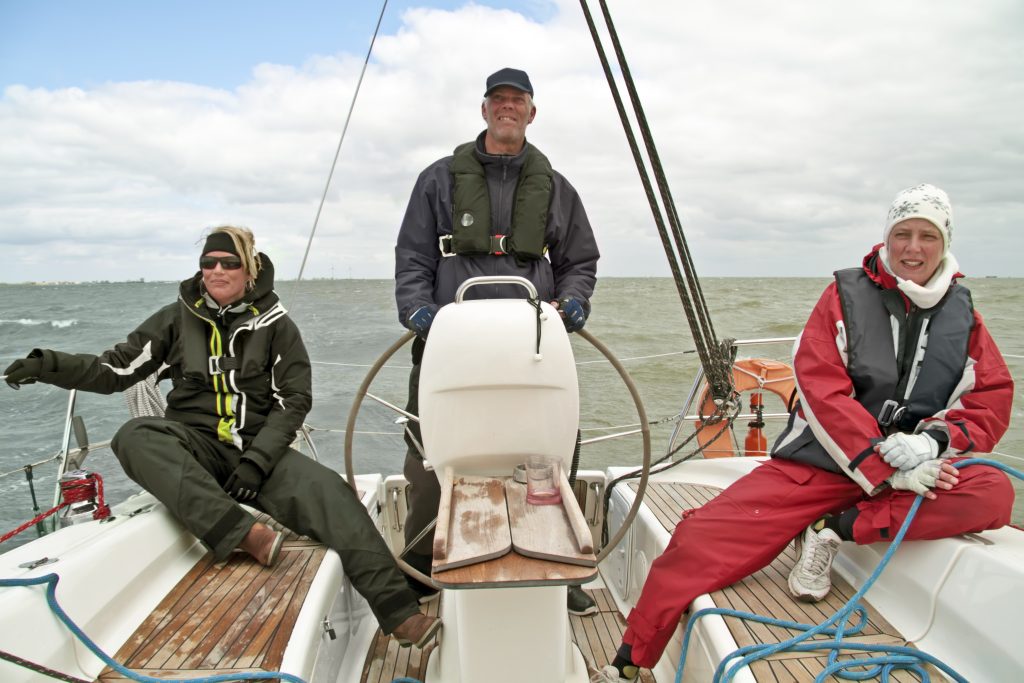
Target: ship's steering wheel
{"x": 623, "y": 374}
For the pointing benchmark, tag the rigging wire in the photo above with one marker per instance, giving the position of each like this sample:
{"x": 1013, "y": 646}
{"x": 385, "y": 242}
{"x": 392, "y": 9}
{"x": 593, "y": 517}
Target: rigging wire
{"x": 341, "y": 140}
{"x": 716, "y": 359}
{"x": 666, "y": 462}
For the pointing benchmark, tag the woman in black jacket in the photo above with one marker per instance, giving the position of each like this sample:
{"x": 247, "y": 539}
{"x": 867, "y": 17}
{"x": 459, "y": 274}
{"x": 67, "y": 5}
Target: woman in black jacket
{"x": 241, "y": 387}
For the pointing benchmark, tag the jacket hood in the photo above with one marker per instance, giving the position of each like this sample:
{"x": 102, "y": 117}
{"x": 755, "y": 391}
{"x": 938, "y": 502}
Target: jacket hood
{"x": 876, "y": 271}
{"x": 262, "y": 296}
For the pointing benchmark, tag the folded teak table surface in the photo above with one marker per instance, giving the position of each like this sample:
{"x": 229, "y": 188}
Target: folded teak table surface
{"x": 481, "y": 520}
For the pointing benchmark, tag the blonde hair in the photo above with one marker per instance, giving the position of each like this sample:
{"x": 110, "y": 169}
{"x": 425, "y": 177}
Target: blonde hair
{"x": 245, "y": 245}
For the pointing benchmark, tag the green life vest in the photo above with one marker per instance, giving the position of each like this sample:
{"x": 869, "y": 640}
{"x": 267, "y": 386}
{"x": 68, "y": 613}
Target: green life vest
{"x": 471, "y": 207}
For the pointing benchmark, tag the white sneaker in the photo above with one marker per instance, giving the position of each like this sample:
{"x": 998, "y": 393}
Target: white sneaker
{"x": 609, "y": 674}
{"x": 811, "y": 580}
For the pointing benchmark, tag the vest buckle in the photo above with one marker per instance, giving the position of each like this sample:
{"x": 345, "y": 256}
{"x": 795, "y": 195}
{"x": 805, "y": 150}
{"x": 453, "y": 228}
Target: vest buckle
{"x": 498, "y": 245}
{"x": 218, "y": 365}
{"x": 890, "y": 413}
{"x": 444, "y": 244}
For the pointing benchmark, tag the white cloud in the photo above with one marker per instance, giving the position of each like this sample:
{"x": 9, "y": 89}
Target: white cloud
{"x": 784, "y": 130}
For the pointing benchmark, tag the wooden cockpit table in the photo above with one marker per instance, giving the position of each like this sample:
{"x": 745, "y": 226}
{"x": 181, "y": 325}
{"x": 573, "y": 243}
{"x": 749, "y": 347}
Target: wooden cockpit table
{"x": 488, "y": 536}
{"x": 506, "y": 561}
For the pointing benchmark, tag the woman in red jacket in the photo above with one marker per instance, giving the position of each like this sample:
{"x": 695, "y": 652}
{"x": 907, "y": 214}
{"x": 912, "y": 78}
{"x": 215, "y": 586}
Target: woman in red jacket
{"x": 897, "y": 378}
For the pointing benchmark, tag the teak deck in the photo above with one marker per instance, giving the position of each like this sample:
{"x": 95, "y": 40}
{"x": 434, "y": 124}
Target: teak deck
{"x": 386, "y": 661}
{"x": 236, "y": 616}
{"x": 597, "y": 636}
{"x": 224, "y": 617}
{"x": 766, "y": 593}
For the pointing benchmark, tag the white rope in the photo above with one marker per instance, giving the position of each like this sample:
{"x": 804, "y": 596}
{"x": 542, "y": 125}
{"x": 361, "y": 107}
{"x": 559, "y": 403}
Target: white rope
{"x": 578, "y": 363}
{"x": 762, "y": 381}
{"x": 333, "y": 430}
{"x": 608, "y": 429}
{"x": 656, "y": 355}
{"x": 361, "y": 365}
{"x": 1007, "y": 455}
{"x": 55, "y": 456}
{"x": 144, "y": 399}
{"x": 342, "y": 431}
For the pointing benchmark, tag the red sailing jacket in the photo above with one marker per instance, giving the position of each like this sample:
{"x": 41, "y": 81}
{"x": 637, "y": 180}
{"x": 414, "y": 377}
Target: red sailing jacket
{"x": 975, "y": 418}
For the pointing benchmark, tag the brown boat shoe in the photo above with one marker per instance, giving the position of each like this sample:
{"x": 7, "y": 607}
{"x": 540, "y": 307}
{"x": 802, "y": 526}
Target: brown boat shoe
{"x": 417, "y": 630}
{"x": 263, "y": 543}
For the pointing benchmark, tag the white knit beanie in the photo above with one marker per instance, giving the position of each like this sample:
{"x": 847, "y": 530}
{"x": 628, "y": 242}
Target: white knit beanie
{"x": 922, "y": 201}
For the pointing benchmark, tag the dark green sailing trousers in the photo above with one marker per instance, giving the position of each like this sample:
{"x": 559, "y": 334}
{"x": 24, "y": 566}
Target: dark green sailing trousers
{"x": 185, "y": 469}
{"x": 424, "y": 493}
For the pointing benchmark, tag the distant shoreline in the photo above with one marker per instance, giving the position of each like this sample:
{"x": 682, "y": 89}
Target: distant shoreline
{"x": 60, "y": 283}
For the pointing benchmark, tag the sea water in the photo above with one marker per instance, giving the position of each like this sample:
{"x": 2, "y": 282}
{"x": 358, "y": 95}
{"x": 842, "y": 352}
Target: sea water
{"x": 347, "y": 324}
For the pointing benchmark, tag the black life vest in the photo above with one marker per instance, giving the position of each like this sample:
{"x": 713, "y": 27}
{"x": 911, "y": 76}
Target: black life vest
{"x": 904, "y": 366}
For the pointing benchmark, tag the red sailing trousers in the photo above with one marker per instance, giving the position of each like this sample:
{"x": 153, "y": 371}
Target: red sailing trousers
{"x": 751, "y": 522}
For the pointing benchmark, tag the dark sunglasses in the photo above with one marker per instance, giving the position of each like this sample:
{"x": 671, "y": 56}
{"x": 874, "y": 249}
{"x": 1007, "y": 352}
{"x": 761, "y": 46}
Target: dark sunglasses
{"x": 226, "y": 262}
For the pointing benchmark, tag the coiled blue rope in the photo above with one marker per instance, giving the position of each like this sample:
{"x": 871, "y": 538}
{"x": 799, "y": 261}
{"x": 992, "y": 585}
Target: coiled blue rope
{"x": 51, "y": 598}
{"x": 892, "y": 656}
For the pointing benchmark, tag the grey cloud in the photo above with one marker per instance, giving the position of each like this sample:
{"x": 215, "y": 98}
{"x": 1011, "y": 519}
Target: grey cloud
{"x": 784, "y": 129}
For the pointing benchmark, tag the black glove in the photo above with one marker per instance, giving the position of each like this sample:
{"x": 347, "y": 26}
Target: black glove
{"x": 23, "y": 371}
{"x": 421, "y": 319}
{"x": 245, "y": 482}
{"x": 573, "y": 315}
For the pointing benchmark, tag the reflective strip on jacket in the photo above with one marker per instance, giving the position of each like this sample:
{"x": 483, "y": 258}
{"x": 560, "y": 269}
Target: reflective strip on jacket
{"x": 258, "y": 405}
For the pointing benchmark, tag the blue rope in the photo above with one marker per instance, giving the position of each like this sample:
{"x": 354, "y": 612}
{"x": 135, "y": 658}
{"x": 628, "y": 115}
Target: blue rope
{"x": 895, "y": 657}
{"x": 51, "y": 597}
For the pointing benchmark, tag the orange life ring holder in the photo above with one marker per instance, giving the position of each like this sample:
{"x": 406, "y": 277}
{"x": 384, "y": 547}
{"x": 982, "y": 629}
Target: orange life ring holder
{"x": 755, "y": 375}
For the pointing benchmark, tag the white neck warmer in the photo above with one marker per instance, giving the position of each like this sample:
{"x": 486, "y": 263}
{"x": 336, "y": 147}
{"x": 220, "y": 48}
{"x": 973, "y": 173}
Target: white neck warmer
{"x": 933, "y": 291}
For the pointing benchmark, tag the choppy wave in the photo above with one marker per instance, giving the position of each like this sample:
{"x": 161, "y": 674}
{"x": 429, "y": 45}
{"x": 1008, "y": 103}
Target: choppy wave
{"x": 29, "y": 322}
{"x": 346, "y": 324}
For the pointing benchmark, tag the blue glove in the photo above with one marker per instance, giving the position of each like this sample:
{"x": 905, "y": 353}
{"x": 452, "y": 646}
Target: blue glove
{"x": 421, "y": 319}
{"x": 573, "y": 315}
{"x": 245, "y": 482}
{"x": 907, "y": 451}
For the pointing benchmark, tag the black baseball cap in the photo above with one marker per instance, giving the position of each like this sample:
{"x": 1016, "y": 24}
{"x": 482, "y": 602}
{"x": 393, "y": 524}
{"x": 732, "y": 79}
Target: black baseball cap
{"x": 511, "y": 77}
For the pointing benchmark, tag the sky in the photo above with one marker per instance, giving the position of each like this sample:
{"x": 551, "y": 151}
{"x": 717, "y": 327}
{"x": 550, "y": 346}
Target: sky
{"x": 129, "y": 128}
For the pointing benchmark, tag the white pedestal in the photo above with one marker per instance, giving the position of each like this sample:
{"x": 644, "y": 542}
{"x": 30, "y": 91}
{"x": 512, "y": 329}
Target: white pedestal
{"x": 506, "y": 635}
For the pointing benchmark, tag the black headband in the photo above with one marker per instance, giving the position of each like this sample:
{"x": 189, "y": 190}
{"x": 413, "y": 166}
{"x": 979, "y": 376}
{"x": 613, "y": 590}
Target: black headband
{"x": 220, "y": 241}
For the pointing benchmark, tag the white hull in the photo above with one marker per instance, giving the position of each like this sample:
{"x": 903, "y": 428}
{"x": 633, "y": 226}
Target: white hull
{"x": 956, "y": 599}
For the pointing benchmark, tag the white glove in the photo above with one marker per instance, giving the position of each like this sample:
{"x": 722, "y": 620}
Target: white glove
{"x": 920, "y": 480}
{"x": 907, "y": 451}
